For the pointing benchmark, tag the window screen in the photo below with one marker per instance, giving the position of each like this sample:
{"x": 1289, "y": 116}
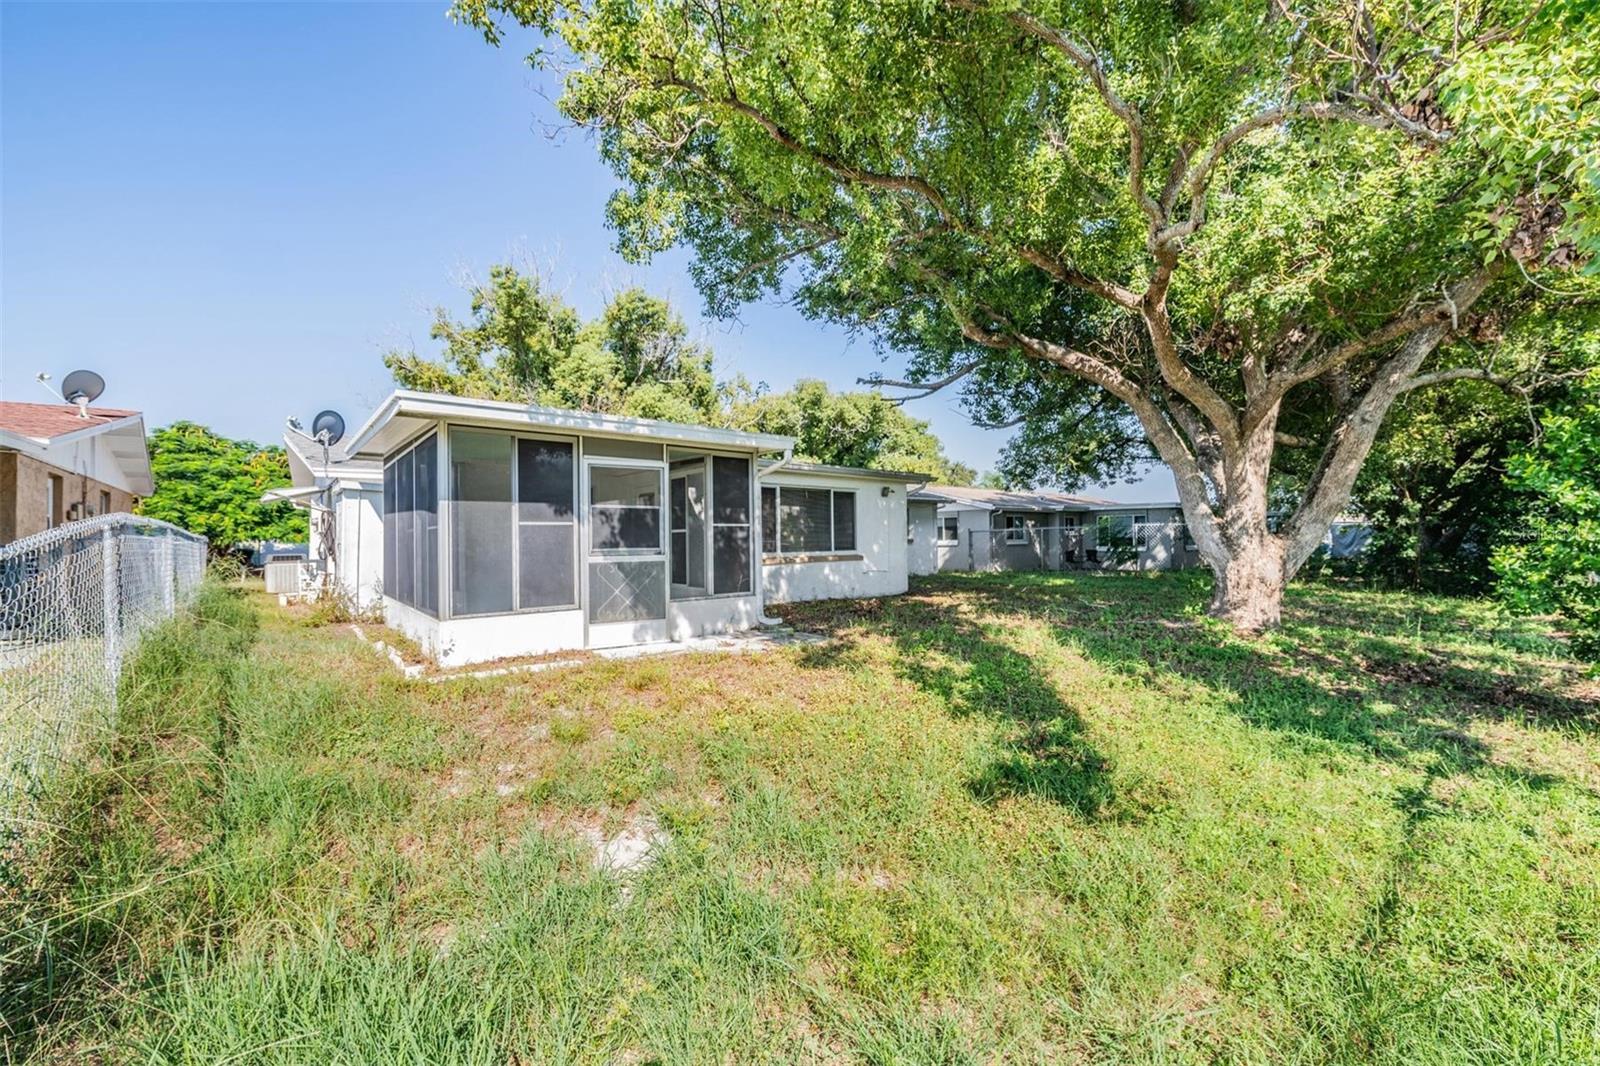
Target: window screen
{"x": 411, "y": 526}
{"x": 805, "y": 519}
{"x": 730, "y": 534}
{"x": 949, "y": 529}
{"x": 769, "y": 520}
{"x": 425, "y": 524}
{"x": 624, "y": 509}
{"x": 844, "y": 521}
{"x": 481, "y": 522}
{"x": 405, "y": 529}
{"x": 679, "y": 506}
{"x": 546, "y": 525}
{"x": 390, "y": 537}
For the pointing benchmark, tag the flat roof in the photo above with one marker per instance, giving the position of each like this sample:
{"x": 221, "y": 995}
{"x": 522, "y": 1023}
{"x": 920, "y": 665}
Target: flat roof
{"x": 405, "y": 412}
{"x": 865, "y": 472}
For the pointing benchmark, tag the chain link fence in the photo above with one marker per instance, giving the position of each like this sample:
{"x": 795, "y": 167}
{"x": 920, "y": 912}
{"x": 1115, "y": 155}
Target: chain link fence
{"x": 1117, "y": 546}
{"x": 74, "y": 602}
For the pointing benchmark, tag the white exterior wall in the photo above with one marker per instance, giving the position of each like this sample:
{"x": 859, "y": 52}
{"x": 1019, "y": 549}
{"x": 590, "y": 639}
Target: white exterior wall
{"x": 878, "y": 566}
{"x": 922, "y": 553}
{"x": 358, "y": 563}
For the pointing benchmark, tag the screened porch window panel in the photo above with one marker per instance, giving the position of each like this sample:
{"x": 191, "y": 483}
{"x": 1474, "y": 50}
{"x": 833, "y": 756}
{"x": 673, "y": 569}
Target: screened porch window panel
{"x": 390, "y": 534}
{"x": 730, "y": 535}
{"x": 425, "y": 524}
{"x": 482, "y": 522}
{"x": 546, "y": 525}
{"x": 405, "y": 529}
{"x": 769, "y": 520}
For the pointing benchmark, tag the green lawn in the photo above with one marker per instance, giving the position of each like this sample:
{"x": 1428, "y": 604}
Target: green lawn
{"x": 1018, "y": 818}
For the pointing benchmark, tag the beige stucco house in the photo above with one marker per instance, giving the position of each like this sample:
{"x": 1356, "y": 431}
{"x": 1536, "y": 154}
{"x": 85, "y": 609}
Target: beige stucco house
{"x": 60, "y": 463}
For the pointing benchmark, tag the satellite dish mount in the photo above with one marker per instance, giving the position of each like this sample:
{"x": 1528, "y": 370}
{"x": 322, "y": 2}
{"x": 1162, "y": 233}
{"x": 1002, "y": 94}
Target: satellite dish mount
{"x": 82, "y": 387}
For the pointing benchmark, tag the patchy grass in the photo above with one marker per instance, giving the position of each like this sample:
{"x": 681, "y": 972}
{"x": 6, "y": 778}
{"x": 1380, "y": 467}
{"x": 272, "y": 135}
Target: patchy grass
{"x": 1018, "y": 818}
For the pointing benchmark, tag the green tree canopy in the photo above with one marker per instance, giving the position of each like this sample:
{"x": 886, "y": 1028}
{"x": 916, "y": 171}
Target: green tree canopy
{"x": 1236, "y": 219}
{"x": 523, "y": 343}
{"x": 1554, "y": 565}
{"x": 212, "y": 485}
{"x": 849, "y": 429}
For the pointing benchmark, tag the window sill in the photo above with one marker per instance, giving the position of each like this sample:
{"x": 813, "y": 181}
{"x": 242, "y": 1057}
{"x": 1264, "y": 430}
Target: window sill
{"x": 812, "y": 557}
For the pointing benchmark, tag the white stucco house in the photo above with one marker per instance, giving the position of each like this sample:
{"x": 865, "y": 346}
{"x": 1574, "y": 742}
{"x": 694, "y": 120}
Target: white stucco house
{"x": 959, "y": 528}
{"x": 487, "y": 530}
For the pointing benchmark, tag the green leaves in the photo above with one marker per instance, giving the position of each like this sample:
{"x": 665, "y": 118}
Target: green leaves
{"x": 212, "y": 485}
{"x": 1555, "y": 565}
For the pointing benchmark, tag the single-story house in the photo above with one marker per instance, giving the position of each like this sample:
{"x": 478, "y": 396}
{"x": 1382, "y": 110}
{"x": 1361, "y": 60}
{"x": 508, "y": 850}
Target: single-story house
{"x": 958, "y": 528}
{"x": 63, "y": 462}
{"x": 511, "y": 530}
{"x": 344, "y": 493}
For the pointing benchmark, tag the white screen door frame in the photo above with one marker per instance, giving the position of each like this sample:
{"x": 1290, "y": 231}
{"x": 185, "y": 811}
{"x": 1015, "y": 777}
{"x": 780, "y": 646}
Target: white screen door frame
{"x": 648, "y": 570}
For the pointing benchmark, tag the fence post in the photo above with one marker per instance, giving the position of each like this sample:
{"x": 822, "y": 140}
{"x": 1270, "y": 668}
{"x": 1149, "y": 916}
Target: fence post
{"x": 168, "y": 571}
{"x": 111, "y": 604}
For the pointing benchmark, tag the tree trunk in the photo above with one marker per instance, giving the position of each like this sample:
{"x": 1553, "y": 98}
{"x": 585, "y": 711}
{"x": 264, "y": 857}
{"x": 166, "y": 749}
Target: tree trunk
{"x": 1248, "y": 589}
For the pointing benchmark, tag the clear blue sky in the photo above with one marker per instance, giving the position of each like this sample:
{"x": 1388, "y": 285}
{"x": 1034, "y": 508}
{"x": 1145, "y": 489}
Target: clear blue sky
{"x": 231, "y": 210}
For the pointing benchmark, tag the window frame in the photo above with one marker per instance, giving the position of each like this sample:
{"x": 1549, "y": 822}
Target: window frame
{"x": 392, "y": 551}
{"x": 939, "y": 529}
{"x": 833, "y": 526}
{"x": 1018, "y": 533}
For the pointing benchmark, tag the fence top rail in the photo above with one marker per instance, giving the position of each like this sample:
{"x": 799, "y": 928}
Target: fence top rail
{"x": 126, "y": 522}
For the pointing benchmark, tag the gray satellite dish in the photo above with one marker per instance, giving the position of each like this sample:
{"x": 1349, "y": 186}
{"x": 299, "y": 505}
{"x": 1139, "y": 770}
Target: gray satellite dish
{"x": 82, "y": 387}
{"x": 329, "y": 423}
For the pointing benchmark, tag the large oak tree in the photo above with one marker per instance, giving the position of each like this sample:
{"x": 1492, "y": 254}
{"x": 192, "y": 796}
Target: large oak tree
{"x": 1207, "y": 228}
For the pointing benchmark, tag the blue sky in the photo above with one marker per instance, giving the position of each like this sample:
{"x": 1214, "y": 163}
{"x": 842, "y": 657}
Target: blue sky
{"x": 231, "y": 210}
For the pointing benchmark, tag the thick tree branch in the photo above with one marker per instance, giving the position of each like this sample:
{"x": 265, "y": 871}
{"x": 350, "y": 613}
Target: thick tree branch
{"x": 920, "y": 389}
{"x": 1084, "y": 58}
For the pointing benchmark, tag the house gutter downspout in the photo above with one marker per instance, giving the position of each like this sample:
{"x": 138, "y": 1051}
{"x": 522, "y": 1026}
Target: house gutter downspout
{"x": 761, "y": 585}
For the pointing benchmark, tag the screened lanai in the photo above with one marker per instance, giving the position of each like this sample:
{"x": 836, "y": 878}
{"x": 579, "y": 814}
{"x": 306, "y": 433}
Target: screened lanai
{"x": 563, "y": 529}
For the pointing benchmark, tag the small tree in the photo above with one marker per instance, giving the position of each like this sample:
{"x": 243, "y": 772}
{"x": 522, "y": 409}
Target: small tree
{"x": 1192, "y": 223}
{"x": 212, "y": 485}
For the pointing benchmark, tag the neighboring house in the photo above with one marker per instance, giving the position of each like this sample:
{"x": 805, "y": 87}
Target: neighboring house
{"x": 511, "y": 530}
{"x": 344, "y": 494}
{"x": 956, "y": 528}
{"x": 62, "y": 462}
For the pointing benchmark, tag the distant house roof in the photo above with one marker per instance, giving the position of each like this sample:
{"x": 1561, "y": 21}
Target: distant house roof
{"x": 1004, "y": 500}
{"x": 46, "y": 430}
{"x": 868, "y": 473}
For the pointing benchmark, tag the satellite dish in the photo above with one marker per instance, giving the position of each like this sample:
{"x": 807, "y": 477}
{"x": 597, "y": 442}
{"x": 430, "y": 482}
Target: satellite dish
{"x": 330, "y": 423}
{"x": 82, "y": 387}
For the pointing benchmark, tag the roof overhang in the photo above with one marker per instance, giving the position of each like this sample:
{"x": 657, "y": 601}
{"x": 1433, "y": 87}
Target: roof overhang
{"x": 306, "y": 464}
{"x": 291, "y": 495}
{"x": 405, "y": 414}
{"x": 859, "y": 472}
{"x": 124, "y": 440}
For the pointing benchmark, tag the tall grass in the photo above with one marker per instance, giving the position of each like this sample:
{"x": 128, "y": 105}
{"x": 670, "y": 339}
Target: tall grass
{"x": 1003, "y": 819}
{"x": 110, "y": 883}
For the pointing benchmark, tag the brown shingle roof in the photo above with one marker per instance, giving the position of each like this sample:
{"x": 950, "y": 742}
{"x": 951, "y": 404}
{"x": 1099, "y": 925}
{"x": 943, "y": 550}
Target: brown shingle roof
{"x": 45, "y": 420}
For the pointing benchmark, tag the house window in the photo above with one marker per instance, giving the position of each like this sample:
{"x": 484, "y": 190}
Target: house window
{"x": 54, "y": 497}
{"x": 1117, "y": 530}
{"x": 801, "y": 521}
{"x": 411, "y": 526}
{"x": 949, "y": 529}
{"x": 105, "y": 502}
{"x": 1016, "y": 529}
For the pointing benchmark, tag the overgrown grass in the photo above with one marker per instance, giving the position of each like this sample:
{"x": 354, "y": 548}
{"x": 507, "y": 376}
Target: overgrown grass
{"x": 1019, "y": 818}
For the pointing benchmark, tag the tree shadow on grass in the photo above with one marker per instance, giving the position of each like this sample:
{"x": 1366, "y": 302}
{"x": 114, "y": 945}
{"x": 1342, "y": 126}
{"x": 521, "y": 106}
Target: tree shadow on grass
{"x": 1346, "y": 678}
{"x": 946, "y": 652}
